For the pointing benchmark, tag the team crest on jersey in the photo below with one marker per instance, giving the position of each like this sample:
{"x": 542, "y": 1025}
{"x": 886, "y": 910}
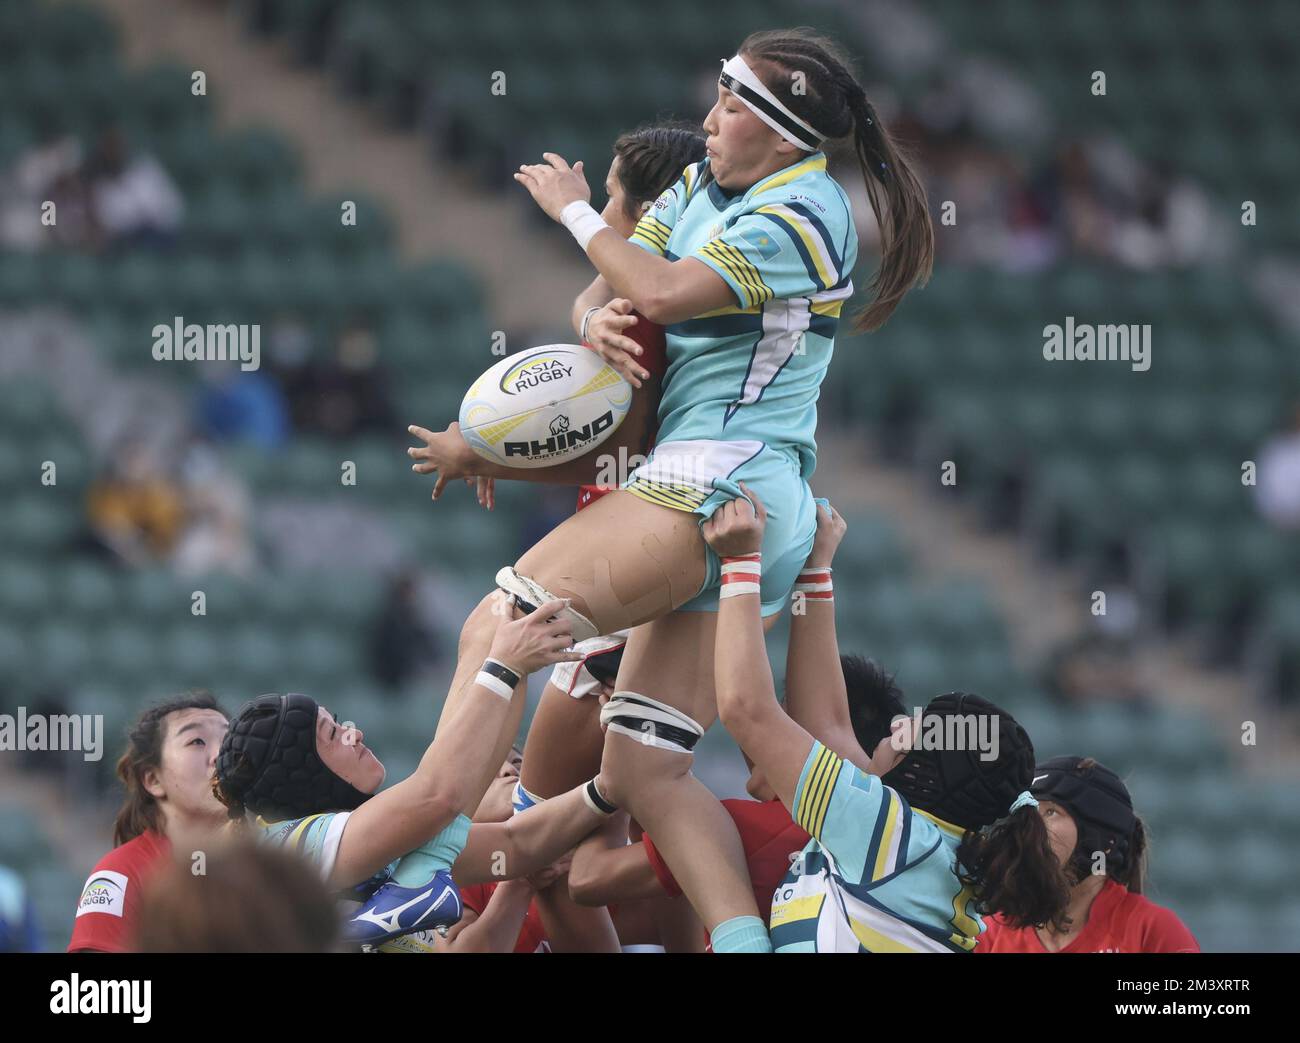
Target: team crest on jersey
{"x": 105, "y": 892}
{"x": 766, "y": 246}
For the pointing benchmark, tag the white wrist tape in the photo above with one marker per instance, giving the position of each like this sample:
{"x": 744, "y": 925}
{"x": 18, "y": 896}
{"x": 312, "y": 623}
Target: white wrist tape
{"x": 741, "y": 575}
{"x": 582, "y": 221}
{"x": 497, "y": 677}
{"x": 596, "y": 800}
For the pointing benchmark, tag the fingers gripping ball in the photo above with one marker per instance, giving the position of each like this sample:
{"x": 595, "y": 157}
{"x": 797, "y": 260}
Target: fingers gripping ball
{"x": 542, "y": 406}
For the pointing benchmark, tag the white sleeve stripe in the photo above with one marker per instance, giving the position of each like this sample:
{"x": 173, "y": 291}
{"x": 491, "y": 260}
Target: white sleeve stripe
{"x": 329, "y": 850}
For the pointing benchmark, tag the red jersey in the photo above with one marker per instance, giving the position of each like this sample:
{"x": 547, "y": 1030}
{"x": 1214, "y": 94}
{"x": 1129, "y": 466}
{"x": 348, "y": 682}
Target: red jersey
{"x": 108, "y": 912}
{"x": 770, "y": 838}
{"x": 532, "y": 935}
{"x": 1119, "y": 921}
{"x": 650, "y": 335}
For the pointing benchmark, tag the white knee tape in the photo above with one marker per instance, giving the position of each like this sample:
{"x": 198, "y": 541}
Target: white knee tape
{"x": 535, "y": 594}
{"x": 650, "y": 722}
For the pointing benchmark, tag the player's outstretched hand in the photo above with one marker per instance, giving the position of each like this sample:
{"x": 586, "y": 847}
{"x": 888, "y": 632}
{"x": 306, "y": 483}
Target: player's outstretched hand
{"x": 737, "y": 527}
{"x": 445, "y": 452}
{"x": 605, "y": 334}
{"x": 541, "y": 638}
{"x": 485, "y": 491}
{"x": 831, "y": 527}
{"x": 554, "y": 184}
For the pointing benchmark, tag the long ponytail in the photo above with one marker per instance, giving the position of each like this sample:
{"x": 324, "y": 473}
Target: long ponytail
{"x": 1011, "y": 869}
{"x": 835, "y": 103}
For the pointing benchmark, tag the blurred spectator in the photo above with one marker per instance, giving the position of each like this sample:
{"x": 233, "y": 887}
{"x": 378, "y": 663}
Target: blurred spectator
{"x": 18, "y": 932}
{"x": 250, "y": 898}
{"x": 217, "y": 508}
{"x": 351, "y": 393}
{"x": 133, "y": 199}
{"x": 290, "y": 349}
{"x": 136, "y": 511}
{"x": 1277, "y": 488}
{"x": 234, "y": 406}
{"x": 403, "y": 643}
{"x": 1096, "y": 667}
{"x": 48, "y": 171}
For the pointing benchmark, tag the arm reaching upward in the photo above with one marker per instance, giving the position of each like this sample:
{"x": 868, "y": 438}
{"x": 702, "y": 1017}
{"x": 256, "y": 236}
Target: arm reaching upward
{"x": 815, "y": 694}
{"x": 402, "y": 818}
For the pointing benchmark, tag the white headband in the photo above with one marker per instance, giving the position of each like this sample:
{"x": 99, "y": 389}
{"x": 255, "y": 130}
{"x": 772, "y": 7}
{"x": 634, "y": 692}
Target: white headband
{"x": 739, "y": 78}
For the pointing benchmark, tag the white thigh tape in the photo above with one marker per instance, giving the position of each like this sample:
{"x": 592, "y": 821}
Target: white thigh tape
{"x": 650, "y": 722}
{"x": 535, "y": 594}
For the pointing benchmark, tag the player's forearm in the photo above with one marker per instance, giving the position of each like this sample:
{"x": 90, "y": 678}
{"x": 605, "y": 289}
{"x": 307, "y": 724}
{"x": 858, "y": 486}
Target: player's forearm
{"x": 454, "y": 761}
{"x": 597, "y": 295}
{"x": 815, "y": 695}
{"x": 571, "y": 927}
{"x": 742, "y": 676}
{"x": 548, "y": 831}
{"x": 631, "y": 272}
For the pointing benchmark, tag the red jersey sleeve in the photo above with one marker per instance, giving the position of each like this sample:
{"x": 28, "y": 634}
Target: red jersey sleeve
{"x": 108, "y": 909}
{"x": 662, "y": 873}
{"x": 650, "y": 336}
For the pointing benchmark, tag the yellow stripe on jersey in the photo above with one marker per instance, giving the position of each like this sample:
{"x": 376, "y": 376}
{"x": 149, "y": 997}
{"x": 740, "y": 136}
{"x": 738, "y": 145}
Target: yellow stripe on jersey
{"x": 968, "y": 929}
{"x": 653, "y": 233}
{"x": 817, "y": 162}
{"x": 295, "y": 838}
{"x": 655, "y": 228}
{"x": 873, "y": 941}
{"x": 801, "y": 230}
{"x": 751, "y": 283}
{"x": 884, "y": 865}
{"x": 816, "y": 796}
{"x": 765, "y": 292}
{"x": 748, "y": 288}
{"x": 806, "y": 908}
{"x": 831, "y": 308}
{"x": 678, "y": 497}
{"x": 948, "y": 826}
{"x": 689, "y": 175}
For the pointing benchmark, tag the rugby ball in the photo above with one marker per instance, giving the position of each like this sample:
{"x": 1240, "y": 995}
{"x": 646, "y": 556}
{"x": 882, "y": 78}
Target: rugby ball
{"x": 542, "y": 406}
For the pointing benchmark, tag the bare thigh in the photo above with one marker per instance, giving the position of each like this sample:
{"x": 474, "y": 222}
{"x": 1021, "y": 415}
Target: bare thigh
{"x": 622, "y": 560}
{"x": 671, "y": 659}
{"x": 564, "y": 744}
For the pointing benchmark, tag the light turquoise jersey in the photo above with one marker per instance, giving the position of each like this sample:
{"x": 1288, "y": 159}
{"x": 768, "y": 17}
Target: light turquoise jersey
{"x": 878, "y": 876}
{"x": 752, "y": 371}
